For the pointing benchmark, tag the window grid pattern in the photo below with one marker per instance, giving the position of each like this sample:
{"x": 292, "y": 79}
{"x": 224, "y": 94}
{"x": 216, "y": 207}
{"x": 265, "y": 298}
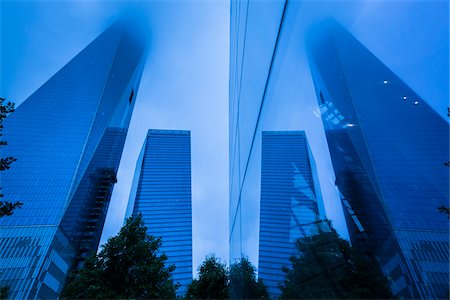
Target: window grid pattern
{"x": 388, "y": 147}
{"x": 163, "y": 196}
{"x": 59, "y": 136}
{"x": 290, "y": 203}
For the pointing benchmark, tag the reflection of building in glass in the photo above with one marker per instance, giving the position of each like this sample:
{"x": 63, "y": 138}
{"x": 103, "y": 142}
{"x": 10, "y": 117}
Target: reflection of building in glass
{"x": 388, "y": 147}
{"x": 68, "y": 138}
{"x": 161, "y": 191}
{"x": 254, "y": 34}
{"x": 291, "y": 202}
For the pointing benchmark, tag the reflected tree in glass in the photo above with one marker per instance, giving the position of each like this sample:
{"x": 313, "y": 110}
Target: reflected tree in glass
{"x": 6, "y": 207}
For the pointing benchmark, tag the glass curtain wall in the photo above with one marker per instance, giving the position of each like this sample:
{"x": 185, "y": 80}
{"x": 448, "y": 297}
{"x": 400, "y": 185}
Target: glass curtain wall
{"x": 387, "y": 145}
{"x": 161, "y": 192}
{"x": 291, "y": 204}
{"x": 68, "y": 138}
{"x": 272, "y": 89}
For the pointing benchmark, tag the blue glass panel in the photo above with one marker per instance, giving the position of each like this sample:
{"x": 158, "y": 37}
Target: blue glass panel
{"x": 68, "y": 138}
{"x": 161, "y": 191}
{"x": 388, "y": 148}
{"x": 289, "y": 202}
{"x": 254, "y": 31}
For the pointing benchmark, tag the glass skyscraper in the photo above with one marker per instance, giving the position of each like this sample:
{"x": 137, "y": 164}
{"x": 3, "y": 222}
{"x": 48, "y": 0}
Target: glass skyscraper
{"x": 254, "y": 33}
{"x": 291, "y": 202}
{"x": 68, "y": 138}
{"x": 161, "y": 192}
{"x": 388, "y": 149}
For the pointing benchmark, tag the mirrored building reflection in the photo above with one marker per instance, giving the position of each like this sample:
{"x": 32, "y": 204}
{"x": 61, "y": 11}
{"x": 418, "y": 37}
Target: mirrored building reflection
{"x": 291, "y": 202}
{"x": 252, "y": 44}
{"x": 272, "y": 89}
{"x": 161, "y": 192}
{"x": 388, "y": 148}
{"x": 268, "y": 91}
{"x": 68, "y": 138}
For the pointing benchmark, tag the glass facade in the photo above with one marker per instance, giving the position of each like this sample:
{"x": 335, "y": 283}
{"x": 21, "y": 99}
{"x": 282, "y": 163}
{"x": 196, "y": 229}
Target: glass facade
{"x": 161, "y": 191}
{"x": 68, "y": 138}
{"x": 254, "y": 31}
{"x": 388, "y": 148}
{"x": 268, "y": 91}
{"x": 291, "y": 202}
{"x": 273, "y": 87}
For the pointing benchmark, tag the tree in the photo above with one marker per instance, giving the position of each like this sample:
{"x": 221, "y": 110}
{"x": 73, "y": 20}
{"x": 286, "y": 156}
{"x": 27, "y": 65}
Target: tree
{"x": 6, "y": 207}
{"x": 4, "y": 292}
{"x": 243, "y": 283}
{"x": 327, "y": 267}
{"x": 212, "y": 282}
{"x": 445, "y": 209}
{"x": 128, "y": 266}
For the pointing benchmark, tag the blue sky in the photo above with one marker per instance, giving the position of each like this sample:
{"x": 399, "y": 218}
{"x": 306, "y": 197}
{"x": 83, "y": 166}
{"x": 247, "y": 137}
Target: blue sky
{"x": 185, "y": 83}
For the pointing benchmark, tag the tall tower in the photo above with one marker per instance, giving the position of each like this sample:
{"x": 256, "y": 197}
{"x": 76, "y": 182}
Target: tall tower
{"x": 161, "y": 192}
{"x": 388, "y": 149}
{"x": 68, "y": 138}
{"x": 291, "y": 202}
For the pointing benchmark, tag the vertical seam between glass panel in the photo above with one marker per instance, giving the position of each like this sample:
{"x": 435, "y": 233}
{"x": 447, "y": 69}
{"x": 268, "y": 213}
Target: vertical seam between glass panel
{"x": 261, "y": 107}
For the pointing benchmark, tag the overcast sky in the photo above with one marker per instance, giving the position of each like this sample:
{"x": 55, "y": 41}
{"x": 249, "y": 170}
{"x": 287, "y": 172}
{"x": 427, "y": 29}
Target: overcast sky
{"x": 185, "y": 82}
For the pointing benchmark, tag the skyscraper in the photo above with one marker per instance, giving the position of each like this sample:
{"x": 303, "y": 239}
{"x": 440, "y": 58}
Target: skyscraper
{"x": 161, "y": 192}
{"x": 68, "y": 138}
{"x": 254, "y": 36}
{"x": 388, "y": 149}
{"x": 291, "y": 202}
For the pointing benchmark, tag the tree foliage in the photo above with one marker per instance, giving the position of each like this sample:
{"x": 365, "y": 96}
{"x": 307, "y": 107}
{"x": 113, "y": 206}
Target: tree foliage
{"x": 327, "y": 267}
{"x": 445, "y": 208}
{"x": 128, "y": 266}
{"x": 212, "y": 282}
{"x": 243, "y": 283}
{"x": 216, "y": 282}
{"x": 4, "y": 292}
{"x": 6, "y": 207}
